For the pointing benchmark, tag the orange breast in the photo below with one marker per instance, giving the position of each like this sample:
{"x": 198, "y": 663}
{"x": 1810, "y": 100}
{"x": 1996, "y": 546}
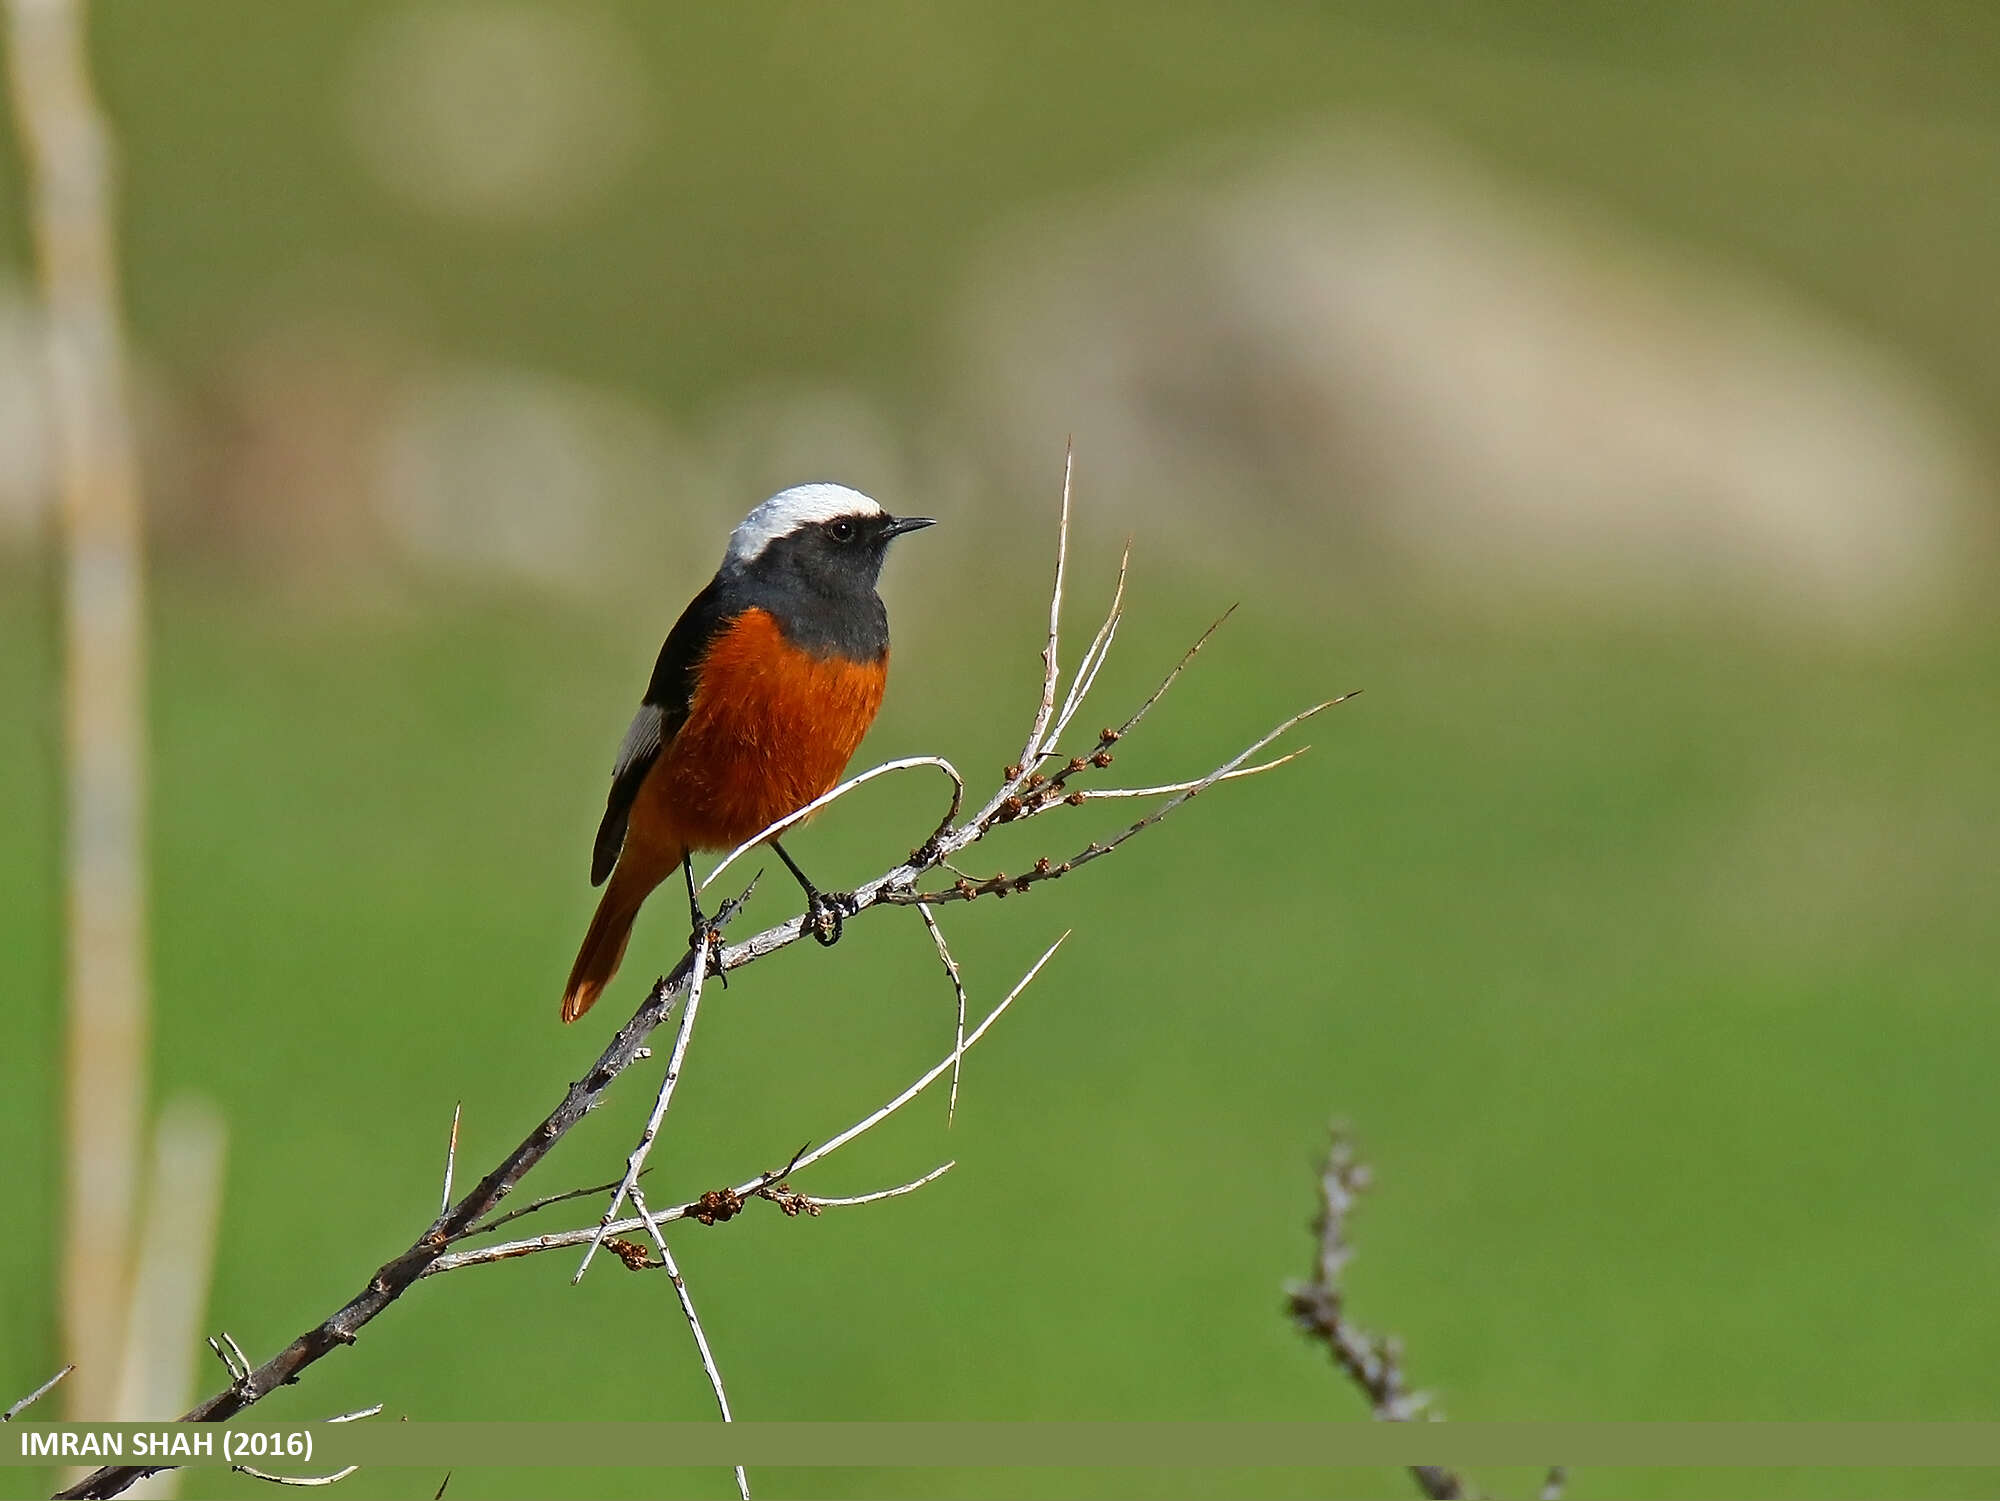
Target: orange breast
{"x": 770, "y": 729}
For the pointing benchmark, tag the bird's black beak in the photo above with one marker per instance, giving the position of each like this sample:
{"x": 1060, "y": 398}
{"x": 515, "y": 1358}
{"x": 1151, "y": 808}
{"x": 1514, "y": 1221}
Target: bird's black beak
{"x": 900, "y": 524}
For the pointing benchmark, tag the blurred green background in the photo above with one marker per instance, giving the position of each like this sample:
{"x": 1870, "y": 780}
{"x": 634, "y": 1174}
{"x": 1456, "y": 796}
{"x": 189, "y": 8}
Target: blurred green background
{"x": 1638, "y": 919}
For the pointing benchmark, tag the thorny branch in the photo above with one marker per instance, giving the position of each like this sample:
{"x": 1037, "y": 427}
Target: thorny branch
{"x": 1029, "y": 789}
{"x": 1374, "y": 1363}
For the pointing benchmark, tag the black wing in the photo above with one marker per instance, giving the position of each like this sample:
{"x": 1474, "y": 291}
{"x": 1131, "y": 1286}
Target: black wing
{"x": 661, "y": 714}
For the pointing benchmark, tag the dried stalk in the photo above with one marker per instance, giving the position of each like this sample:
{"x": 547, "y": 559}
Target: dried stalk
{"x": 69, "y": 157}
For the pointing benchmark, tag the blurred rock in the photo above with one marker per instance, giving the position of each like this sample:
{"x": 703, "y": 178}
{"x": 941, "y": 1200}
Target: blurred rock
{"x": 329, "y": 445}
{"x": 498, "y": 110}
{"x": 1360, "y": 342}
{"x": 520, "y": 473}
{"x": 271, "y": 456}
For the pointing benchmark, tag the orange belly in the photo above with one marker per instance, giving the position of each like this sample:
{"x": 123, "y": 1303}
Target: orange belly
{"x": 770, "y": 729}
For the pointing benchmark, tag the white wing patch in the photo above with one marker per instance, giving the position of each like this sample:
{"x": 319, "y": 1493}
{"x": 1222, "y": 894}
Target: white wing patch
{"x": 787, "y": 511}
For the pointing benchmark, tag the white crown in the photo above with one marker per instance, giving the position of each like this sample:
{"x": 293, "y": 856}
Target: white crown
{"x": 787, "y": 511}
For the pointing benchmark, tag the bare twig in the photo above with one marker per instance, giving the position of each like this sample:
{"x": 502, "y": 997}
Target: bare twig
{"x": 485, "y": 1227}
{"x": 635, "y": 1164}
{"x": 1054, "y": 794}
{"x": 1051, "y": 669}
{"x": 694, "y": 1323}
{"x": 958, "y": 987}
{"x": 231, "y": 1355}
{"x": 451, "y": 1158}
{"x": 1193, "y": 784}
{"x": 756, "y": 1186}
{"x": 1168, "y": 681}
{"x": 334, "y": 1479}
{"x": 791, "y": 820}
{"x": 1196, "y": 788}
{"x": 1372, "y": 1362}
{"x": 307, "y": 1480}
{"x": 815, "y": 1202}
{"x": 339, "y": 1475}
{"x": 1094, "y": 658}
{"x": 36, "y": 1395}
{"x": 807, "y": 1159}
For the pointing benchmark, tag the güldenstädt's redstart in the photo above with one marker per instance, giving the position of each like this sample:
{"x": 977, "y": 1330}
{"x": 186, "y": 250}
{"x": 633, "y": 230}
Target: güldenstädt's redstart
{"x": 763, "y": 690}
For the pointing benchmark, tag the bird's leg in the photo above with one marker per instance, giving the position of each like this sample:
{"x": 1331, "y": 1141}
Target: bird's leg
{"x": 703, "y": 930}
{"x": 824, "y": 910}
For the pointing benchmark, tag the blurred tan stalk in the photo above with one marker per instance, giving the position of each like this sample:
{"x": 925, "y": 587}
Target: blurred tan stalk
{"x": 176, "y": 1257}
{"x": 69, "y": 162}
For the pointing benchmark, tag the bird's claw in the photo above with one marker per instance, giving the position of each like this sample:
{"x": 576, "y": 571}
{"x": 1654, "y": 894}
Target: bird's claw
{"x": 709, "y": 932}
{"x": 826, "y": 912}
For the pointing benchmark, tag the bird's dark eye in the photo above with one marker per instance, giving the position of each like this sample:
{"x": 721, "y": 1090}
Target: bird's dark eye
{"x": 841, "y": 531}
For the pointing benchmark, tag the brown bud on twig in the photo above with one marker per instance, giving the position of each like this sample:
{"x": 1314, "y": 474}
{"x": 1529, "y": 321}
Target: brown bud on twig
{"x": 789, "y": 1200}
{"x": 717, "y": 1206}
{"x": 635, "y": 1256}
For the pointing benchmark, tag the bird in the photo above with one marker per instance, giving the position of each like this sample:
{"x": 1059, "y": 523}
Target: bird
{"x": 760, "y": 696}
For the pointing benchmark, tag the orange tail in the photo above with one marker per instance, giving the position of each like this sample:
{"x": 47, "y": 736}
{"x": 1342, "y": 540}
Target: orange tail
{"x": 604, "y": 944}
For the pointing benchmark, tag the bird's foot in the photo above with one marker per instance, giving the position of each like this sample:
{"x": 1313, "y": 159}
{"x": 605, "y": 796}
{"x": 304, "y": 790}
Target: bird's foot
{"x": 714, "y": 940}
{"x": 708, "y": 930}
{"x": 826, "y": 913}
